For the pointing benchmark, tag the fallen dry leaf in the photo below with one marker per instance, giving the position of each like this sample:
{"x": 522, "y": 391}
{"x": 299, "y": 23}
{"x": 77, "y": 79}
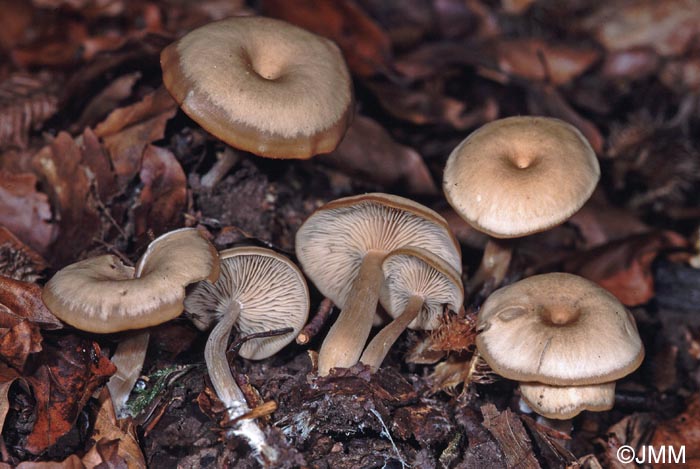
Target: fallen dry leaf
{"x": 430, "y": 105}
{"x": 18, "y": 342}
{"x": 26, "y": 102}
{"x": 633, "y": 430}
{"x": 599, "y": 222}
{"x": 68, "y": 183}
{"x": 164, "y": 195}
{"x": 535, "y": 59}
{"x": 368, "y": 152}
{"x": 631, "y": 64}
{"x": 106, "y": 100}
{"x": 17, "y": 260}
{"x": 69, "y": 373}
{"x": 365, "y": 45}
{"x": 682, "y": 431}
{"x": 546, "y": 100}
{"x": 668, "y": 27}
{"x": 128, "y": 131}
{"x": 108, "y": 428}
{"x": 21, "y": 300}
{"x": 623, "y": 267}
{"x": 25, "y": 211}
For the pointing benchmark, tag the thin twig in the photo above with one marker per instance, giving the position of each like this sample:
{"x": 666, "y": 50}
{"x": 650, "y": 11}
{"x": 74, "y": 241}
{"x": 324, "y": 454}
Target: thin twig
{"x": 317, "y": 323}
{"x": 235, "y": 346}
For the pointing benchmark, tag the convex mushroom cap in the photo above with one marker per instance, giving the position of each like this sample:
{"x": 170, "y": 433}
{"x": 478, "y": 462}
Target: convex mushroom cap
{"x": 103, "y": 295}
{"x": 520, "y": 175}
{"x": 565, "y": 402}
{"x": 341, "y": 248}
{"x": 262, "y": 85}
{"x": 558, "y": 329}
{"x": 267, "y": 289}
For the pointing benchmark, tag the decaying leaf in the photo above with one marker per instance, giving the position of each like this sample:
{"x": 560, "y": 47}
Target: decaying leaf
{"x": 682, "y": 432}
{"x": 69, "y": 373}
{"x": 128, "y": 131}
{"x": 123, "y": 432}
{"x": 635, "y": 431}
{"x": 164, "y": 195}
{"x": 668, "y": 27}
{"x": 26, "y": 102}
{"x": 368, "y": 152}
{"x": 17, "y": 342}
{"x": 21, "y": 300}
{"x": 17, "y": 260}
{"x": 25, "y": 211}
{"x": 535, "y": 59}
{"x": 69, "y": 185}
{"x": 623, "y": 267}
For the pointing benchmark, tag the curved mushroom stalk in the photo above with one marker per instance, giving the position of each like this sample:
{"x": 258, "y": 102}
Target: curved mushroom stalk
{"x": 493, "y": 268}
{"x": 348, "y": 335}
{"x": 128, "y": 358}
{"x": 228, "y": 390}
{"x": 417, "y": 285}
{"x": 378, "y": 348}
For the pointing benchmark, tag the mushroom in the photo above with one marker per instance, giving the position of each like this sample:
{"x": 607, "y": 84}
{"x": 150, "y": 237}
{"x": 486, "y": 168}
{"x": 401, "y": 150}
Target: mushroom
{"x": 417, "y": 286}
{"x": 518, "y": 176}
{"x": 341, "y": 248}
{"x": 103, "y": 295}
{"x": 262, "y": 85}
{"x": 560, "y": 330}
{"x": 258, "y": 290}
{"x": 566, "y": 402}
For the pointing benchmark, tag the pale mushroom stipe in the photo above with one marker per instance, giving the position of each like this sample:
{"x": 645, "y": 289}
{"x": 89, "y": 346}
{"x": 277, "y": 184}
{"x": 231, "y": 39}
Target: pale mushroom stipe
{"x": 417, "y": 286}
{"x": 258, "y": 290}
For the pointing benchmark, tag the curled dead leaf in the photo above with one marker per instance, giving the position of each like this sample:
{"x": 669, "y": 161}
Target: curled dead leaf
{"x": 25, "y": 211}
{"x": 369, "y": 152}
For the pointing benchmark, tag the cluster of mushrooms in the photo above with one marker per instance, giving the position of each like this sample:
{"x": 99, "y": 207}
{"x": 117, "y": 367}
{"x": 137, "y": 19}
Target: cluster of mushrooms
{"x": 565, "y": 339}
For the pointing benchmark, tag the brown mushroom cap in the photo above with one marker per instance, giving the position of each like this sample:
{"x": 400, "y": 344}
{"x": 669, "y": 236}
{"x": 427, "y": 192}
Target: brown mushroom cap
{"x": 332, "y": 242}
{"x": 566, "y": 402}
{"x": 520, "y": 175}
{"x": 413, "y": 271}
{"x": 271, "y": 293}
{"x": 103, "y": 295}
{"x": 262, "y": 85}
{"x": 558, "y": 329}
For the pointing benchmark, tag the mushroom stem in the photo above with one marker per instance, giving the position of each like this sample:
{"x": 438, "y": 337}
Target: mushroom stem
{"x": 379, "y": 346}
{"x": 128, "y": 358}
{"x": 493, "y": 268}
{"x": 347, "y": 337}
{"x": 228, "y": 390}
{"x": 225, "y": 160}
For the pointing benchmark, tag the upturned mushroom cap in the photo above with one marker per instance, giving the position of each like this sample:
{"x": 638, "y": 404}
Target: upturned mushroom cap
{"x": 270, "y": 291}
{"x": 558, "y": 329}
{"x": 566, "y": 402}
{"x": 332, "y": 242}
{"x": 520, "y": 175}
{"x": 103, "y": 295}
{"x": 413, "y": 271}
{"x": 262, "y": 85}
